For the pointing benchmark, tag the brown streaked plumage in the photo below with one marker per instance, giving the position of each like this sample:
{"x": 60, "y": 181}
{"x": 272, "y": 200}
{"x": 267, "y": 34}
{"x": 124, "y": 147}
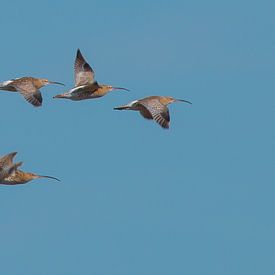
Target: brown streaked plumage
{"x": 153, "y": 107}
{"x": 11, "y": 175}
{"x": 86, "y": 87}
{"x": 28, "y": 87}
{"x": 7, "y": 166}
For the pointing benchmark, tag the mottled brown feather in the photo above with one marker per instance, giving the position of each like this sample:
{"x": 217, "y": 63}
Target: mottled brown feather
{"x": 158, "y": 111}
{"x": 144, "y": 112}
{"x": 83, "y": 72}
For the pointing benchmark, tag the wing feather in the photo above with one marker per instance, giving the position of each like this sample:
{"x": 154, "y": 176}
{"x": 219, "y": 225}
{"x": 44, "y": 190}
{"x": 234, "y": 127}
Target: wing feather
{"x": 30, "y": 93}
{"x": 83, "y": 73}
{"x": 158, "y": 111}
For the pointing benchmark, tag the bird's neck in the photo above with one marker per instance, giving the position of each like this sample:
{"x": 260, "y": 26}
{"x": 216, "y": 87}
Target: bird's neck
{"x": 37, "y": 83}
{"x": 103, "y": 89}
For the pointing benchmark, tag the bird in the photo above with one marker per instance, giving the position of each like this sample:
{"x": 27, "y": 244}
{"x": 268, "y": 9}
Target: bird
{"x": 11, "y": 175}
{"x": 28, "y": 87}
{"x": 153, "y": 107}
{"x": 86, "y": 87}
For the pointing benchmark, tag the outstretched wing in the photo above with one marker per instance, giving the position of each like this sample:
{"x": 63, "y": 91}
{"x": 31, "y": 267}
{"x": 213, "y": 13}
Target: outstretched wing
{"x": 30, "y": 93}
{"x": 35, "y": 98}
{"x": 83, "y": 73}
{"x": 157, "y": 110}
{"x": 89, "y": 89}
{"x": 7, "y": 159}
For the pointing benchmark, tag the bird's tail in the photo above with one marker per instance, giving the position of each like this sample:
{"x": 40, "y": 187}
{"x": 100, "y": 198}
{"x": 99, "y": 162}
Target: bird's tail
{"x": 125, "y": 107}
{"x": 2, "y": 86}
{"x": 60, "y": 96}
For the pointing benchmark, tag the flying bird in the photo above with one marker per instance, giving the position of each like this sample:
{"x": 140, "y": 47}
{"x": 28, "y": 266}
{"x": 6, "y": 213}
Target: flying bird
{"x": 153, "y": 107}
{"x": 86, "y": 87}
{"x": 28, "y": 87}
{"x": 11, "y": 175}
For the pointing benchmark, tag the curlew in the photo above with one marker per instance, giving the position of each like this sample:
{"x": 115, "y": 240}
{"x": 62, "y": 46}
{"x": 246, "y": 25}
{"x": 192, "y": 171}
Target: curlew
{"x": 153, "y": 107}
{"x": 86, "y": 87}
{"x": 11, "y": 175}
{"x": 28, "y": 87}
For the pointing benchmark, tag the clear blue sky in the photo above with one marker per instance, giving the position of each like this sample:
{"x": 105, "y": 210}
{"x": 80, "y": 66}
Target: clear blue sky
{"x": 136, "y": 199}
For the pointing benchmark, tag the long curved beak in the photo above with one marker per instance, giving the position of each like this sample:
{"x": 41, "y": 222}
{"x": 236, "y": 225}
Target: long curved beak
{"x": 48, "y": 177}
{"x": 54, "y": 82}
{"x": 182, "y": 100}
{"x": 119, "y": 88}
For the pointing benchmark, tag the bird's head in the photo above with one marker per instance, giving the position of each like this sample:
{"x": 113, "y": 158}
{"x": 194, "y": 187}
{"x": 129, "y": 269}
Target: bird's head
{"x": 35, "y": 176}
{"x": 45, "y": 81}
{"x": 24, "y": 176}
{"x": 169, "y": 99}
{"x": 110, "y": 88}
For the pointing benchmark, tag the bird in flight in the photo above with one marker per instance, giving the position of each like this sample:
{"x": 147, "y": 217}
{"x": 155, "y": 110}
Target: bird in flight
{"x": 153, "y": 107}
{"x": 11, "y": 175}
{"x": 28, "y": 87}
{"x": 86, "y": 87}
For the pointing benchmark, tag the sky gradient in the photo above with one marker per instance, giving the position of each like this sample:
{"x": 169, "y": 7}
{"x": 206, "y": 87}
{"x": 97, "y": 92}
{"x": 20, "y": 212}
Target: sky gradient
{"x": 134, "y": 198}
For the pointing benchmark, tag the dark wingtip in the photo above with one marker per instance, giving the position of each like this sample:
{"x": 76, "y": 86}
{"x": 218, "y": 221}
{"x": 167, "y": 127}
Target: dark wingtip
{"x": 165, "y": 127}
{"x": 79, "y": 54}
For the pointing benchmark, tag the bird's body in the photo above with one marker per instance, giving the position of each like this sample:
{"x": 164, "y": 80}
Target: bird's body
{"x": 153, "y": 107}
{"x": 28, "y": 87}
{"x": 11, "y": 175}
{"x": 89, "y": 91}
{"x": 18, "y": 177}
{"x": 86, "y": 87}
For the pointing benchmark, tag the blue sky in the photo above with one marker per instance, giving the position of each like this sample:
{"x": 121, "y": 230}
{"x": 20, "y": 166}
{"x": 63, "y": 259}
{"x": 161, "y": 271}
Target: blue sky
{"x": 136, "y": 199}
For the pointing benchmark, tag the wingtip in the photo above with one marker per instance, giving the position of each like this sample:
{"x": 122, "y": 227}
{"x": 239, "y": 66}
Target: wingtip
{"x": 12, "y": 154}
{"x": 78, "y": 53}
{"x": 19, "y": 164}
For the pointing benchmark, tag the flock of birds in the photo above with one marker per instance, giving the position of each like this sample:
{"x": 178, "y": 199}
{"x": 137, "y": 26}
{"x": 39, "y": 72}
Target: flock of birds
{"x": 86, "y": 87}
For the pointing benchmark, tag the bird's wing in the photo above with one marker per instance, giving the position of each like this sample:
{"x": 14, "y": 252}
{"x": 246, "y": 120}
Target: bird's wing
{"x": 7, "y": 159}
{"x": 7, "y": 166}
{"x": 145, "y": 112}
{"x": 30, "y": 93}
{"x": 9, "y": 170}
{"x": 34, "y": 98}
{"x": 158, "y": 111}
{"x": 90, "y": 88}
{"x": 83, "y": 73}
